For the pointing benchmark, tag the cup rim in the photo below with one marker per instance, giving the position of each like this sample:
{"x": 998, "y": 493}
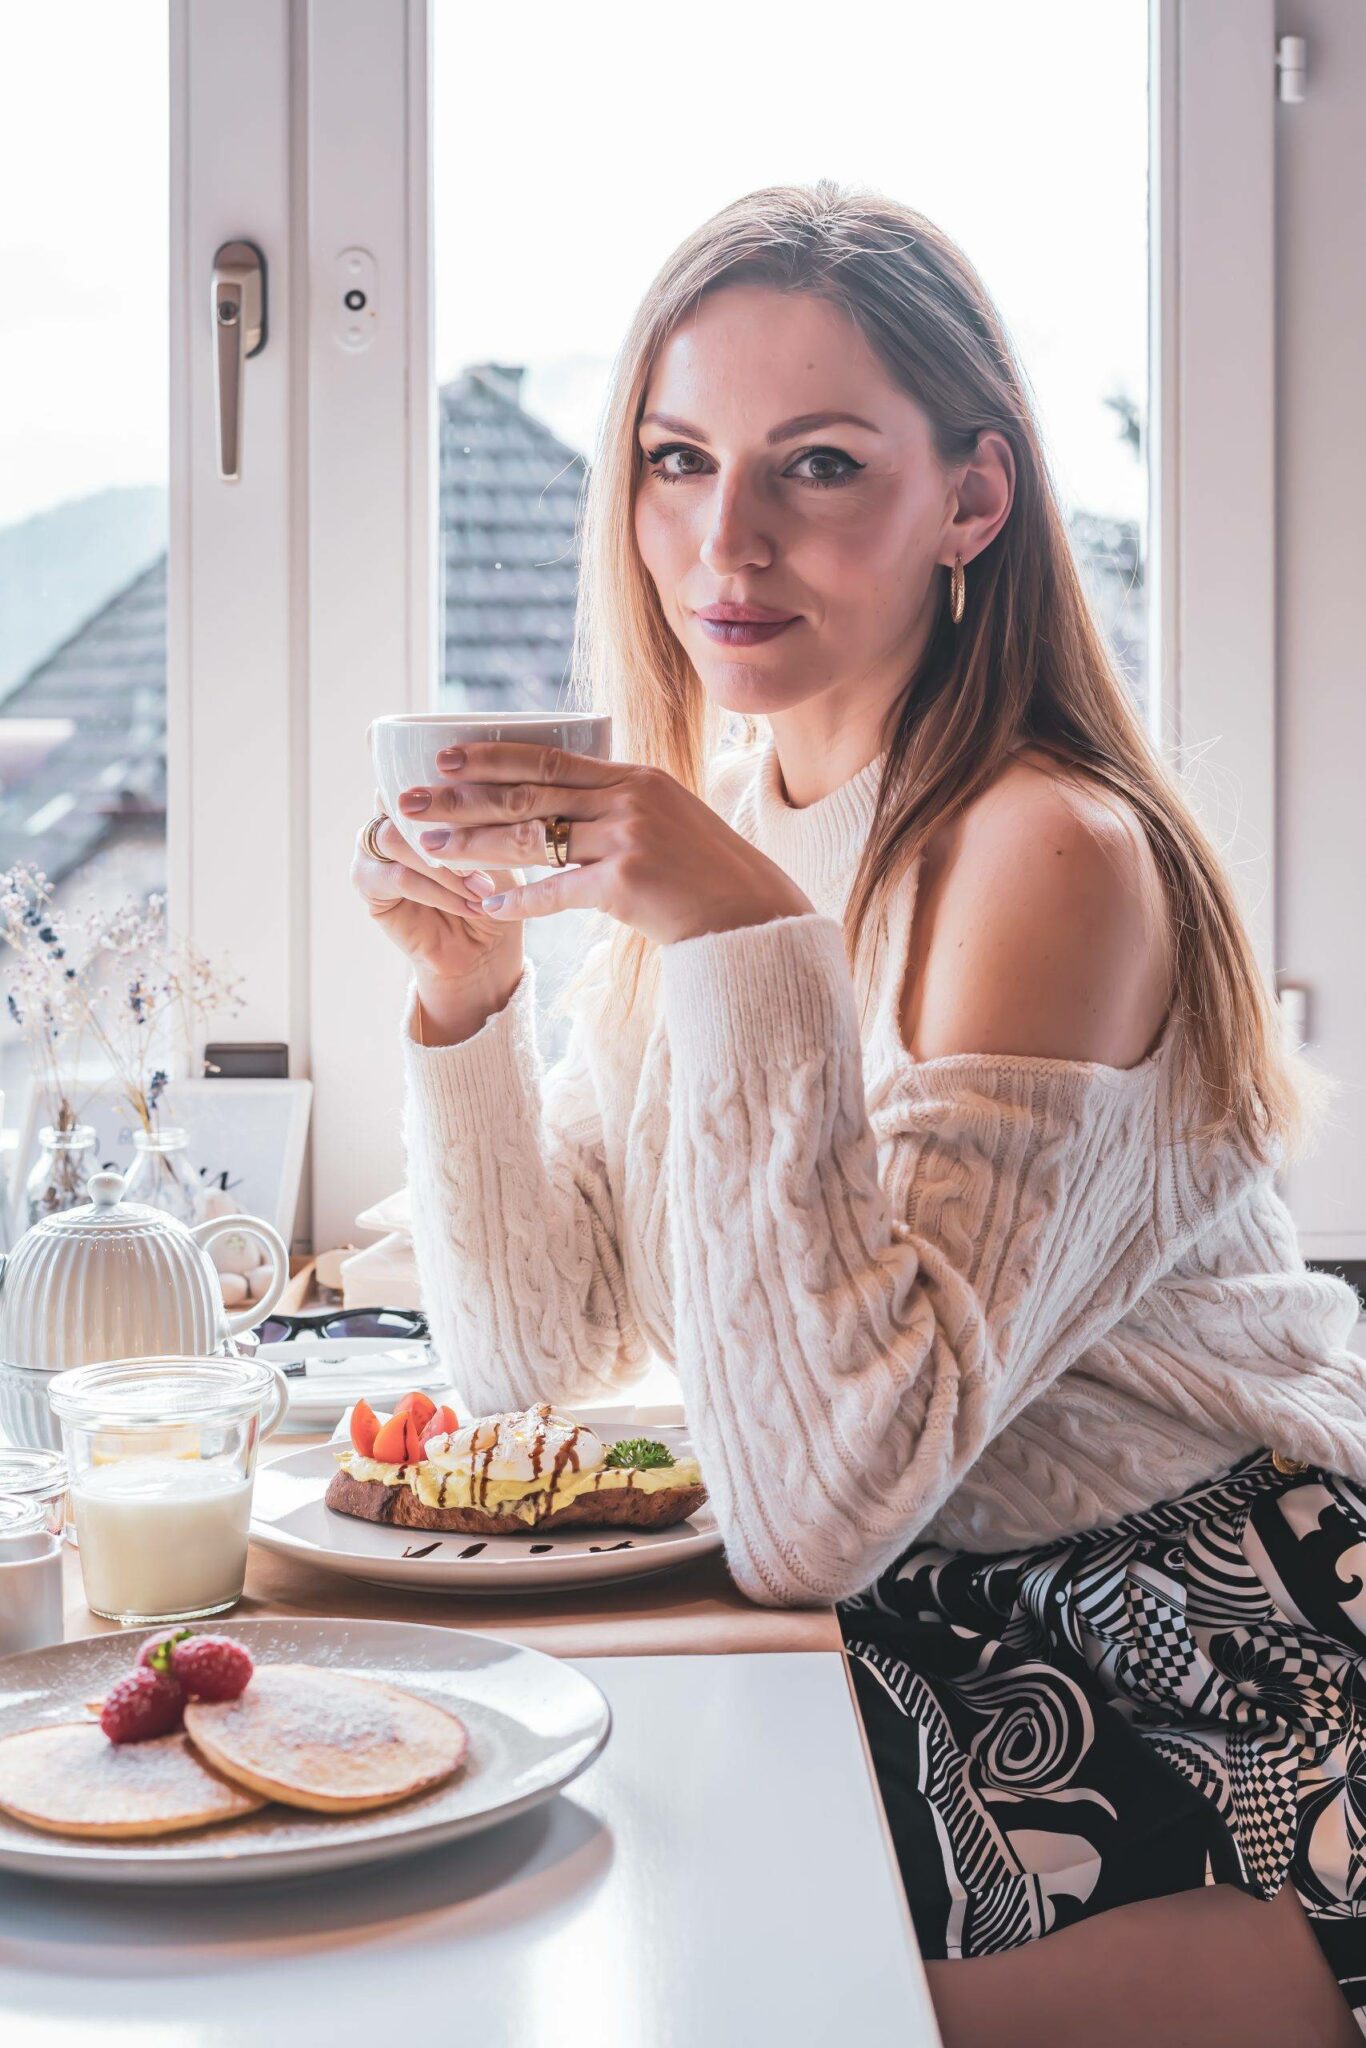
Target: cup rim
{"x": 19, "y": 1517}
{"x": 88, "y": 1394}
{"x": 489, "y": 718}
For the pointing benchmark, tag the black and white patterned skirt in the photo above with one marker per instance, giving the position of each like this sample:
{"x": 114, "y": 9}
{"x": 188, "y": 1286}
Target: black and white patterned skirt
{"x": 1176, "y": 1700}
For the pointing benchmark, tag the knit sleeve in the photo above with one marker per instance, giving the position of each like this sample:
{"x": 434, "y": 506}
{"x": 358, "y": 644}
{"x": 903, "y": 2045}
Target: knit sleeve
{"x": 514, "y": 1230}
{"x": 858, "y": 1312}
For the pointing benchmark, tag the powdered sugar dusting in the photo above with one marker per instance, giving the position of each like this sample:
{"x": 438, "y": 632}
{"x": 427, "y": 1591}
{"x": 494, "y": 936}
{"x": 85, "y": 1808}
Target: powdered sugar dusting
{"x": 328, "y": 1731}
{"x": 73, "y": 1775}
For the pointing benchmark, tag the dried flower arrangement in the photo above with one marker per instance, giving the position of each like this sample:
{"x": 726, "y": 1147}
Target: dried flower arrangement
{"x": 121, "y": 982}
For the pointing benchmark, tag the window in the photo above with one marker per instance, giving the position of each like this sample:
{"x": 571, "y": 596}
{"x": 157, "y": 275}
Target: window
{"x": 83, "y": 453}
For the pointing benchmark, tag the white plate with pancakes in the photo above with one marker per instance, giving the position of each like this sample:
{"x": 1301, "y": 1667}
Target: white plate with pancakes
{"x": 532, "y": 1724}
{"x": 289, "y": 1516}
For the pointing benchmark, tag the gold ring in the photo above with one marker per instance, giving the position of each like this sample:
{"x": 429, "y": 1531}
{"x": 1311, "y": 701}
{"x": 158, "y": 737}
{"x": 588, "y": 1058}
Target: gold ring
{"x": 367, "y": 837}
{"x": 557, "y": 843}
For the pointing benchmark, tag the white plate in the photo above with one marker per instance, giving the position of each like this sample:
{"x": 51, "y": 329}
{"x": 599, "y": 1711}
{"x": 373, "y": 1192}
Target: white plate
{"x": 534, "y": 1723}
{"x": 287, "y": 1515}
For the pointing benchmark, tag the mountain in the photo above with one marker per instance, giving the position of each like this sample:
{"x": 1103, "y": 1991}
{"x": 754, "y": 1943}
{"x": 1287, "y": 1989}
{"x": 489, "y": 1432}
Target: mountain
{"x": 60, "y": 566}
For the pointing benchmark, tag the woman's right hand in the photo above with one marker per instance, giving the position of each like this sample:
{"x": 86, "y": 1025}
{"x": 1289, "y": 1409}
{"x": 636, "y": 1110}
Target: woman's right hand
{"x": 433, "y": 915}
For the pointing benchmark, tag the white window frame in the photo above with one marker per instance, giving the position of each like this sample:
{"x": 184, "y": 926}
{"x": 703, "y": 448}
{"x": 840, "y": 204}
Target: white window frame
{"x": 306, "y": 599}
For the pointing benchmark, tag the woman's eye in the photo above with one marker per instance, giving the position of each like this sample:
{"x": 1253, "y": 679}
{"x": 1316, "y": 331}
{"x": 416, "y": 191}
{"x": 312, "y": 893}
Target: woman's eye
{"x": 830, "y": 466}
{"x": 843, "y": 470}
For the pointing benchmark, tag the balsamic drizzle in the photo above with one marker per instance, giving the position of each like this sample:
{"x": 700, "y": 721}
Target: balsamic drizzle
{"x": 425, "y": 1551}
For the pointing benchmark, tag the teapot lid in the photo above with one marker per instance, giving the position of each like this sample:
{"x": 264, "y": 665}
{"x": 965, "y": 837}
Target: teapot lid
{"x": 106, "y": 1211}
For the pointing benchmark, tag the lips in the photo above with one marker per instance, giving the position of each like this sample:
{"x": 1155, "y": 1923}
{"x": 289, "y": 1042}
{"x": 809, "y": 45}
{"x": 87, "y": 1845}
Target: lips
{"x": 743, "y": 625}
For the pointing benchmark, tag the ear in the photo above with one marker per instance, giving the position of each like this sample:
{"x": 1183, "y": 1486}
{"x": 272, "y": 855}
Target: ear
{"x": 984, "y": 493}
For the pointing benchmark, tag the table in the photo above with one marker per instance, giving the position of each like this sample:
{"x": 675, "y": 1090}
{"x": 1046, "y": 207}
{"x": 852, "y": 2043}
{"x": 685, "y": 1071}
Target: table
{"x": 721, "y": 1875}
{"x": 705, "y": 1885}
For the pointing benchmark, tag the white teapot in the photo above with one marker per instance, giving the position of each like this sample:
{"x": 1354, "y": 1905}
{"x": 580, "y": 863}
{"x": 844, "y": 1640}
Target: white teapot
{"x": 114, "y": 1279}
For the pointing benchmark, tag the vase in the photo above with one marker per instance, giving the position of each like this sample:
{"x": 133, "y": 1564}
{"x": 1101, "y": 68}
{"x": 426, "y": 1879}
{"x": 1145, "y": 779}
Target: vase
{"x": 61, "y": 1173}
{"x": 161, "y": 1176}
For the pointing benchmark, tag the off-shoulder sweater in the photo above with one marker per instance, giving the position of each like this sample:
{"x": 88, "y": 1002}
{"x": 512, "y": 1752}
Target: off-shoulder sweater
{"x": 982, "y": 1301}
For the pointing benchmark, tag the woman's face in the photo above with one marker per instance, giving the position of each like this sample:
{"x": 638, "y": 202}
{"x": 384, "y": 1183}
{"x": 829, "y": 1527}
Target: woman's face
{"x": 752, "y": 494}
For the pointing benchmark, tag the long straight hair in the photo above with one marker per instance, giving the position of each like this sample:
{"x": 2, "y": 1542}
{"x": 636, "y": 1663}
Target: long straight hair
{"x": 1029, "y": 665}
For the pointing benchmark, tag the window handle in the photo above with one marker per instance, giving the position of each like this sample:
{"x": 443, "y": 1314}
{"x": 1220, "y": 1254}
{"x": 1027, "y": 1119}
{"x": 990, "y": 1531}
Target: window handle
{"x": 239, "y": 331}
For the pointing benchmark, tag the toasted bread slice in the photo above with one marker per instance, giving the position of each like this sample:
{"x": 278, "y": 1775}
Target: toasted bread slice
{"x": 70, "y": 1779}
{"x": 617, "y": 1508}
{"x": 327, "y": 1741}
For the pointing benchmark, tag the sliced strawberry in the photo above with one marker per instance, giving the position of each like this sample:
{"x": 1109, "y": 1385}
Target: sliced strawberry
{"x": 412, "y": 1439}
{"x": 364, "y": 1428}
{"x": 417, "y": 1404}
{"x": 441, "y": 1423}
{"x": 391, "y": 1441}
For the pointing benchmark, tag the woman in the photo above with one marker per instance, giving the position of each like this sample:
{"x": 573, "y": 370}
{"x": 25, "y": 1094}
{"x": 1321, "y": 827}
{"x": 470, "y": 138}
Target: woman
{"x": 922, "y": 1106}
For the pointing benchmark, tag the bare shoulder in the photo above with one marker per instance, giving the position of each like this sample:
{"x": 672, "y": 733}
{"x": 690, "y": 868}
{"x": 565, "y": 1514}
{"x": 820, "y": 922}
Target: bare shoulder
{"x": 1041, "y": 927}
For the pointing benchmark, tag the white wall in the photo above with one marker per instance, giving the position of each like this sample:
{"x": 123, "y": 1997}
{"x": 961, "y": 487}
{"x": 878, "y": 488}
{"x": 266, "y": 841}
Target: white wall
{"x": 1321, "y": 546}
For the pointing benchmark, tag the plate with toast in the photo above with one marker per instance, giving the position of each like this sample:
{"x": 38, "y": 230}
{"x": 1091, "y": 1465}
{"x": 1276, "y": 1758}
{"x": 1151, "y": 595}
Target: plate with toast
{"x": 522, "y": 1501}
{"x": 278, "y": 1749}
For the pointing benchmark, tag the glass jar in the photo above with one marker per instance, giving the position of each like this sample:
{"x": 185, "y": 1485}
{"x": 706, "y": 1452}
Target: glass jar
{"x": 161, "y": 1176}
{"x": 161, "y": 1456}
{"x": 60, "y": 1178}
{"x": 38, "y": 1477}
{"x": 30, "y": 1579}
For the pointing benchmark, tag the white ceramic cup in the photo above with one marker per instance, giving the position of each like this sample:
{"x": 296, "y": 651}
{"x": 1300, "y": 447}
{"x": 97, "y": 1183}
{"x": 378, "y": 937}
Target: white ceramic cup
{"x": 404, "y": 748}
{"x": 30, "y": 1579}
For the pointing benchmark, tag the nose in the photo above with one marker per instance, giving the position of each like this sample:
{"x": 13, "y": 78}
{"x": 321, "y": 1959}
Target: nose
{"x": 734, "y": 537}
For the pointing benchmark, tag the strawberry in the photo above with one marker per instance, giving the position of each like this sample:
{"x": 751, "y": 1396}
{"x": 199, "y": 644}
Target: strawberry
{"x": 441, "y": 1423}
{"x": 156, "y": 1651}
{"x": 391, "y": 1441}
{"x": 364, "y": 1429}
{"x": 143, "y": 1704}
{"x": 419, "y": 1405}
{"x": 412, "y": 1440}
{"x": 211, "y": 1667}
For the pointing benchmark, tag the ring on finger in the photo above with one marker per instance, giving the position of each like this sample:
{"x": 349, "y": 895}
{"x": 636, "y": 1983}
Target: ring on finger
{"x": 369, "y": 841}
{"x": 557, "y": 843}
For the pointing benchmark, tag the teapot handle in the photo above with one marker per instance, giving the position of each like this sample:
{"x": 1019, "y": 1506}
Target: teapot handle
{"x": 250, "y": 1226}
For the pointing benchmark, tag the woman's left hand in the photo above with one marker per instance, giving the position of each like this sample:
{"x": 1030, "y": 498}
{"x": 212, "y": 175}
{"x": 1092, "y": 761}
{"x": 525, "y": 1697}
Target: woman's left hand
{"x": 644, "y": 849}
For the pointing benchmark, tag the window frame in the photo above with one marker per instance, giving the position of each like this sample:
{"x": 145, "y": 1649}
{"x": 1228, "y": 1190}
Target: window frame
{"x": 306, "y": 125}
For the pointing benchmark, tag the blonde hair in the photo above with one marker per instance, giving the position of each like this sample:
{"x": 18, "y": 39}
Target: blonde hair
{"x": 1028, "y": 667}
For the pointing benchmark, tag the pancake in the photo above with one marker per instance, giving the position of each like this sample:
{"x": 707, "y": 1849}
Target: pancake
{"x": 326, "y": 1741}
{"x": 70, "y": 1779}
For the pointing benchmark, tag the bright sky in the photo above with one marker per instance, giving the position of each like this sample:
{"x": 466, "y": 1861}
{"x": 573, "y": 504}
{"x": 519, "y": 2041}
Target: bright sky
{"x": 574, "y": 148}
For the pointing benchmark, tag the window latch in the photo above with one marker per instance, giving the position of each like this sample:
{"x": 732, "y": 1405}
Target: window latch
{"x": 239, "y": 332}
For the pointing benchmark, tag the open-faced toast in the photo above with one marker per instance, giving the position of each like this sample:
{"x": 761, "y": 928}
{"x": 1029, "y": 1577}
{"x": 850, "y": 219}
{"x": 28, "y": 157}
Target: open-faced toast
{"x": 506, "y": 1475}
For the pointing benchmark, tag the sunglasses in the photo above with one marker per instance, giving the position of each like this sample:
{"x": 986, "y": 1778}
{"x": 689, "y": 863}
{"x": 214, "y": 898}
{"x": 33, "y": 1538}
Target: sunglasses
{"x": 396, "y": 1324}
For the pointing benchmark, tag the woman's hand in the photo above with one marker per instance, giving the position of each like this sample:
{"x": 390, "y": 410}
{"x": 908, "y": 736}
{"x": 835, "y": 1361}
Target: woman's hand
{"x": 645, "y": 850}
{"x": 433, "y": 916}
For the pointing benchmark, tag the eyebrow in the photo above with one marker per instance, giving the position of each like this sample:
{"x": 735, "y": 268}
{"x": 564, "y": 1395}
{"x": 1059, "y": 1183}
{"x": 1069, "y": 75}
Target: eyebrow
{"x": 805, "y": 423}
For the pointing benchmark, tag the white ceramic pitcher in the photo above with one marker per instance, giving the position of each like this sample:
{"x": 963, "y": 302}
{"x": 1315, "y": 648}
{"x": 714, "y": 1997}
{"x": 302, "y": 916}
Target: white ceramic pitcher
{"x": 114, "y": 1279}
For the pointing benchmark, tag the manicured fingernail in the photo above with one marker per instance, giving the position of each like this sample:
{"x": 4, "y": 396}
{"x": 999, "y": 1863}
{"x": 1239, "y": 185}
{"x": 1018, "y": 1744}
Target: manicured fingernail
{"x": 479, "y": 884}
{"x": 434, "y": 840}
{"x": 415, "y": 800}
{"x": 495, "y": 902}
{"x": 450, "y": 757}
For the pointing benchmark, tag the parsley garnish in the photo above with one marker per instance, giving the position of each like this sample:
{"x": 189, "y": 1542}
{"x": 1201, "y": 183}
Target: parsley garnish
{"x": 640, "y": 1451}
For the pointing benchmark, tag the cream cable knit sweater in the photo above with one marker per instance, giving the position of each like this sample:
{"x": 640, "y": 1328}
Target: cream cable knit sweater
{"x": 980, "y": 1300}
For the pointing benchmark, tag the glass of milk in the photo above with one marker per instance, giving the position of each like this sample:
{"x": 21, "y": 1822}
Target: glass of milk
{"x": 161, "y": 1454}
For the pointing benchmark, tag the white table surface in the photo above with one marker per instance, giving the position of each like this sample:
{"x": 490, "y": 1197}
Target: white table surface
{"x": 720, "y": 1878}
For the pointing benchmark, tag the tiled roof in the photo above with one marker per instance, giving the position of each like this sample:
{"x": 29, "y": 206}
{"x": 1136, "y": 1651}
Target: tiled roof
{"x": 109, "y": 681}
{"x": 509, "y": 494}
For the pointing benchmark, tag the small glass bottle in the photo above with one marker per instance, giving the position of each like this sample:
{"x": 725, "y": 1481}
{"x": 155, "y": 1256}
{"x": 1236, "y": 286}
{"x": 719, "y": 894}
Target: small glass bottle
{"x": 61, "y": 1173}
{"x": 161, "y": 1176}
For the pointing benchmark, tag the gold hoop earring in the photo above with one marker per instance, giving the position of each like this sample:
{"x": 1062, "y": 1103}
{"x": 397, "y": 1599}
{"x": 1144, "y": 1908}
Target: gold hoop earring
{"x": 958, "y": 590}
